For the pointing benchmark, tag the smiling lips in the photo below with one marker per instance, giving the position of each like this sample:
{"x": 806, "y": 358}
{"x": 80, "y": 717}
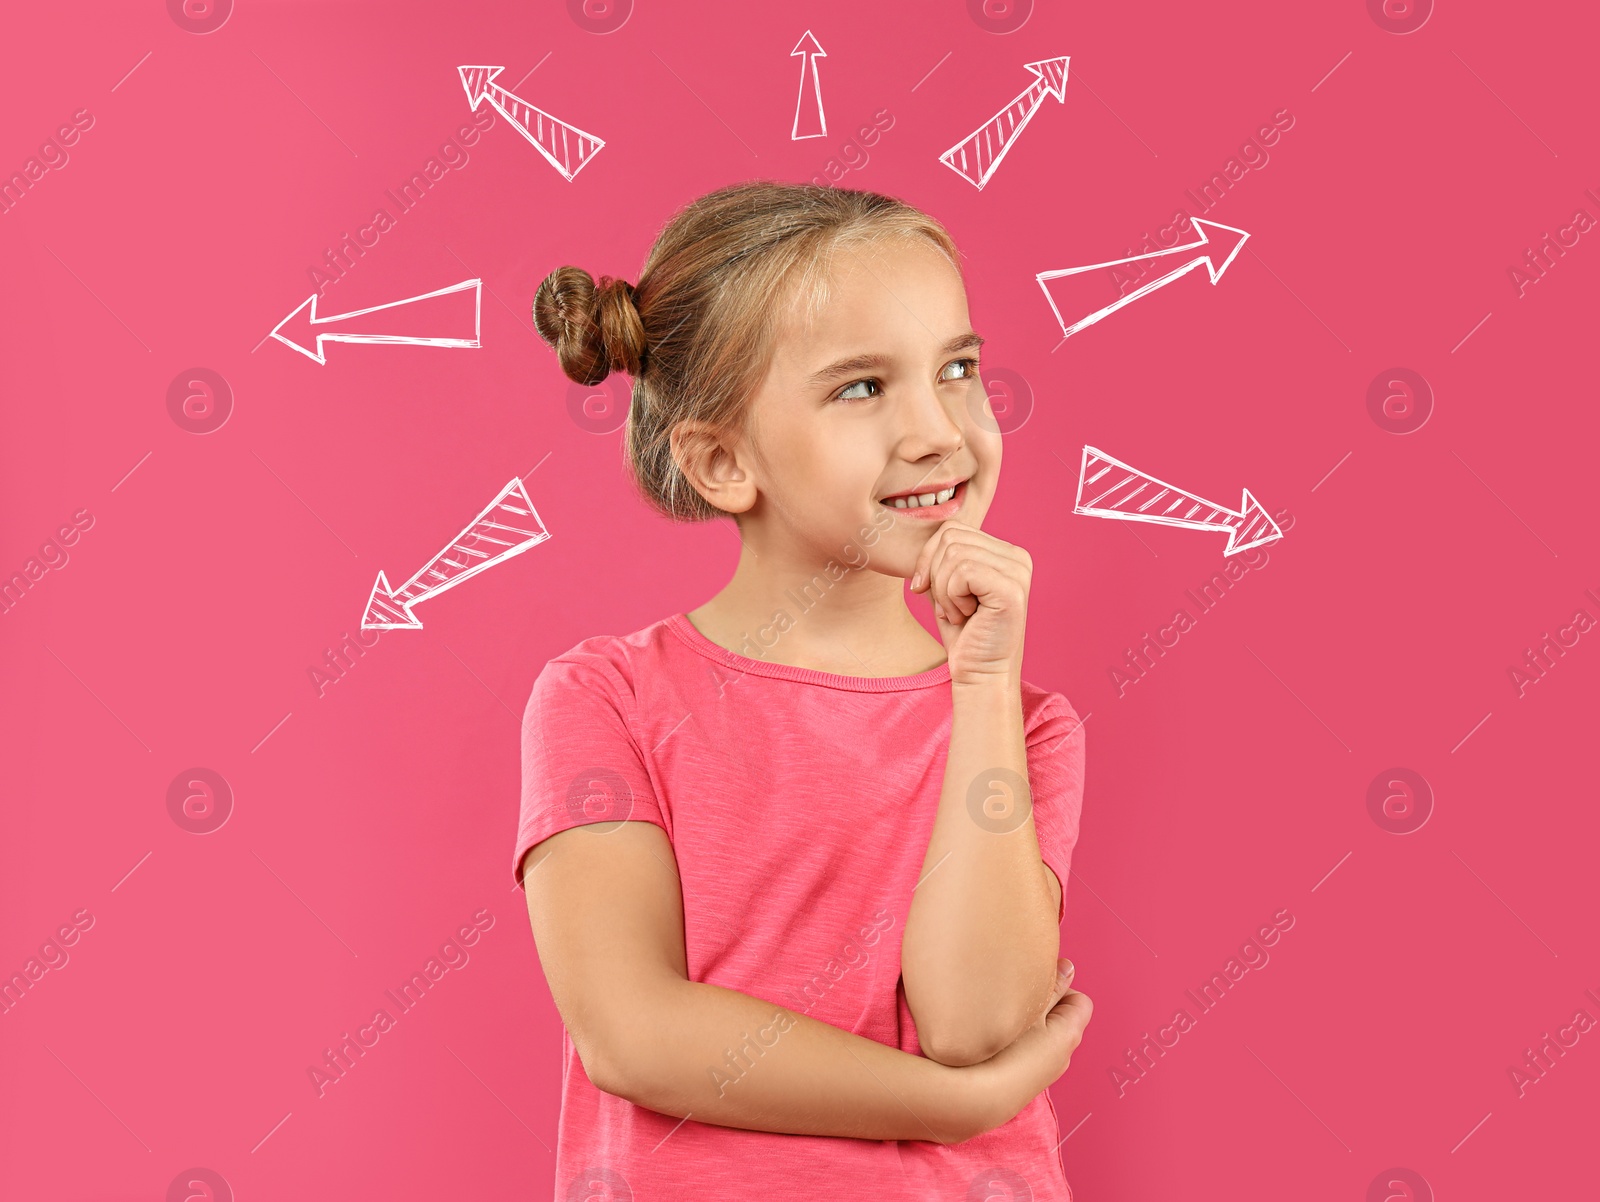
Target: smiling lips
{"x": 935, "y": 505}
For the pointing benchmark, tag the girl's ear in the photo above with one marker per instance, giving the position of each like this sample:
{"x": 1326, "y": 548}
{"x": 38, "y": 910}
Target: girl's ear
{"x": 713, "y": 466}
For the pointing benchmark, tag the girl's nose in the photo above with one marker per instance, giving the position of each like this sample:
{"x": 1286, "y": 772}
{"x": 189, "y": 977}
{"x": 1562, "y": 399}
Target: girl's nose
{"x": 928, "y": 427}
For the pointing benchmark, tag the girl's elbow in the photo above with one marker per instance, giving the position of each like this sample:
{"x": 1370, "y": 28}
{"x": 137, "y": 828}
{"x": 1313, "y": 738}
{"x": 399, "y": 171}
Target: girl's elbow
{"x": 961, "y": 1045}
{"x": 605, "y": 1069}
{"x": 986, "y": 1029}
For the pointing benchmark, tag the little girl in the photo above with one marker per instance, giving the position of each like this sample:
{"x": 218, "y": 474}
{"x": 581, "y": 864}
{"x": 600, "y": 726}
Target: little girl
{"x": 794, "y": 867}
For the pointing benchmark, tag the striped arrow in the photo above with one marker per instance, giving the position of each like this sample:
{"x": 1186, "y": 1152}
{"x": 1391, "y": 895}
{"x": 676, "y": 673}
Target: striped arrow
{"x": 509, "y": 526}
{"x": 566, "y": 146}
{"x": 1116, "y": 490}
{"x": 300, "y": 330}
{"x": 815, "y": 121}
{"x": 1070, "y": 291}
{"x": 975, "y": 157}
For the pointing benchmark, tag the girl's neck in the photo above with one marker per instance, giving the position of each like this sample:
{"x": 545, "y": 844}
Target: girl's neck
{"x": 798, "y": 614}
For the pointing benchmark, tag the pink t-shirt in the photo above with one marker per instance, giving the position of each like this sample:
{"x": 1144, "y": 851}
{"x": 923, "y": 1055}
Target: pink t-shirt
{"x": 799, "y": 805}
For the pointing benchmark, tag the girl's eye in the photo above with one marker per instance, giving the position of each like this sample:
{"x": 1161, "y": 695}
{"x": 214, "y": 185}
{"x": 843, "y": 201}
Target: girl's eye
{"x": 970, "y": 373}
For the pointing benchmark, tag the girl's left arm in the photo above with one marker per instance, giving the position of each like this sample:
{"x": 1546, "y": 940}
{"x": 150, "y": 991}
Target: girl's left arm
{"x": 978, "y": 954}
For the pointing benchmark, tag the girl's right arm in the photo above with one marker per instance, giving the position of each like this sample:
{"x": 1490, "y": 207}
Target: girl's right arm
{"x": 607, "y": 913}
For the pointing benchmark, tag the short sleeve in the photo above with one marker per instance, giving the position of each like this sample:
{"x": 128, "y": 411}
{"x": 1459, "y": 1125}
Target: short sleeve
{"x": 581, "y": 763}
{"x": 1055, "y": 777}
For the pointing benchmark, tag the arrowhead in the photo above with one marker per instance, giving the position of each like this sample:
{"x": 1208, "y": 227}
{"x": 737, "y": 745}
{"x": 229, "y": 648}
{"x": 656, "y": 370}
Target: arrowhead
{"x": 1223, "y": 242}
{"x": 384, "y": 612}
{"x": 476, "y": 81}
{"x": 295, "y": 331}
{"x": 808, "y": 45}
{"x": 1255, "y": 527}
{"x": 1054, "y": 73}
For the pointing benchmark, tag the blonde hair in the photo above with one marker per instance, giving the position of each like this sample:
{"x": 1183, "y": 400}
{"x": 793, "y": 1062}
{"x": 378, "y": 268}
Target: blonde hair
{"x": 697, "y": 332}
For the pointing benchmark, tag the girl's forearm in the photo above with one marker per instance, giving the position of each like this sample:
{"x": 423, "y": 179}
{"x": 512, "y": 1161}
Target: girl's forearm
{"x": 718, "y": 1056}
{"x": 978, "y": 954}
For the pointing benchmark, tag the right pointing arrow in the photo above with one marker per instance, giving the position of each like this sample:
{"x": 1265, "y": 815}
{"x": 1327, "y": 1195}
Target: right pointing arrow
{"x": 1072, "y": 292}
{"x": 1115, "y": 490}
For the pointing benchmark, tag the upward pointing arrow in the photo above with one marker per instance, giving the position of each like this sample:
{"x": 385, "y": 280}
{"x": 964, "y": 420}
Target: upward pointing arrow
{"x": 809, "y": 117}
{"x": 1115, "y": 490}
{"x": 509, "y": 526}
{"x": 1071, "y": 291}
{"x": 566, "y": 146}
{"x": 975, "y": 157}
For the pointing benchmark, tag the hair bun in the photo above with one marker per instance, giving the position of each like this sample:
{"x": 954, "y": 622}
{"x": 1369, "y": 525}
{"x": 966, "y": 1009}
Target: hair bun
{"x": 595, "y": 328}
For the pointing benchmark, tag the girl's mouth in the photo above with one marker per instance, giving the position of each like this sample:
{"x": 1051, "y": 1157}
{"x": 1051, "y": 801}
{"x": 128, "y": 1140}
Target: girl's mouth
{"x": 933, "y": 505}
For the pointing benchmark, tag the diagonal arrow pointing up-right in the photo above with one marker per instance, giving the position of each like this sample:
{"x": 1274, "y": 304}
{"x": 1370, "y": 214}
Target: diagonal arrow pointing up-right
{"x": 1080, "y": 299}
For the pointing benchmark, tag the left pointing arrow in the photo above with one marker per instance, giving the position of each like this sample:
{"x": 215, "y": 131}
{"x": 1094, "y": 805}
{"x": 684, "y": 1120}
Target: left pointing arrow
{"x": 305, "y": 332}
{"x": 509, "y": 526}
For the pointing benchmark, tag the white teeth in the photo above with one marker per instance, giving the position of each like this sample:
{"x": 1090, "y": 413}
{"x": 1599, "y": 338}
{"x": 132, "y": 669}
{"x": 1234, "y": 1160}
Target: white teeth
{"x": 921, "y": 499}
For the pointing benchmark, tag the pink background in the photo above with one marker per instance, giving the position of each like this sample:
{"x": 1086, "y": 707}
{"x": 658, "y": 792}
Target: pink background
{"x": 374, "y": 817}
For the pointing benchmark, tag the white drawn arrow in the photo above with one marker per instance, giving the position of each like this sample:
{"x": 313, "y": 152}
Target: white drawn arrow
{"x": 975, "y": 157}
{"x": 566, "y": 146}
{"x": 299, "y": 331}
{"x": 509, "y": 526}
{"x": 1115, "y": 490}
{"x": 1070, "y": 291}
{"x": 815, "y": 120}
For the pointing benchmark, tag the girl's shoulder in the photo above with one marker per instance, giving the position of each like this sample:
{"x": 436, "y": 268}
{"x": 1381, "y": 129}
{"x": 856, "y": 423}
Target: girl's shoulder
{"x": 611, "y": 662}
{"x": 1047, "y": 713}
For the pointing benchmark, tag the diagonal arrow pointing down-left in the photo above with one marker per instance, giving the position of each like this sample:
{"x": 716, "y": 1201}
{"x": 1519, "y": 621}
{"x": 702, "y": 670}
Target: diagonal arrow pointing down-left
{"x": 303, "y": 330}
{"x": 509, "y": 526}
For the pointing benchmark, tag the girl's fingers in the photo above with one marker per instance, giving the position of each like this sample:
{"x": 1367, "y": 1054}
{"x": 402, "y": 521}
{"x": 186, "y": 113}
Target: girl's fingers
{"x": 920, "y": 575}
{"x": 963, "y": 573}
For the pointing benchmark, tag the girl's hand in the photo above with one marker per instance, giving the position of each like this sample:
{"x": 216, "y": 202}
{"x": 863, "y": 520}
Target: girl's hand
{"x": 1018, "y": 1074}
{"x": 979, "y": 589}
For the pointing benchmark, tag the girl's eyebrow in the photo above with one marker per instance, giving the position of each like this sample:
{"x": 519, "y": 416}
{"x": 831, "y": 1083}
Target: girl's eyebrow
{"x": 860, "y": 363}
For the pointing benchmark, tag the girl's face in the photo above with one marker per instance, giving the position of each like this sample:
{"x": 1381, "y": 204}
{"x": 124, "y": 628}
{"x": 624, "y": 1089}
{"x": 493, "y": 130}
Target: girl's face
{"x": 878, "y": 399}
